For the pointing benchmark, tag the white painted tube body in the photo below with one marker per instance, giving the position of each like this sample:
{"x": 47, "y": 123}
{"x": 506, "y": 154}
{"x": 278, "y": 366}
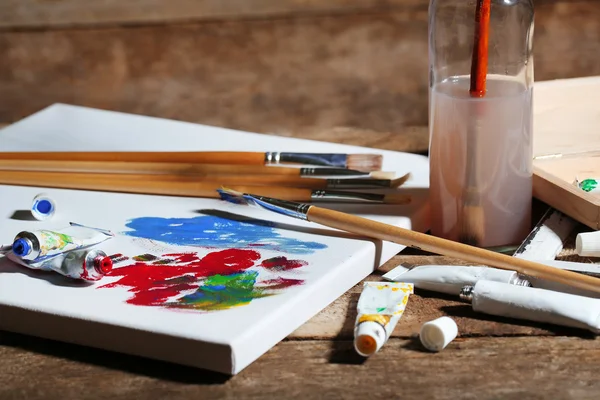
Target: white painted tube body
{"x": 537, "y": 305}
{"x": 450, "y": 279}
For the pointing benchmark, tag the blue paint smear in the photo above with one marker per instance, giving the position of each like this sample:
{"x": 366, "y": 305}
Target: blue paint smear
{"x": 217, "y": 232}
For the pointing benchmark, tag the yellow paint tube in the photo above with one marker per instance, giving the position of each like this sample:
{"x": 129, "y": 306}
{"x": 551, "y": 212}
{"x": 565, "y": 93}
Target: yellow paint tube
{"x": 380, "y": 306}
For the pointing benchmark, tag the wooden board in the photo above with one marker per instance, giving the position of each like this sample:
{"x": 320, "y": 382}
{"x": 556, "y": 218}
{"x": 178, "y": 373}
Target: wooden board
{"x": 567, "y": 146}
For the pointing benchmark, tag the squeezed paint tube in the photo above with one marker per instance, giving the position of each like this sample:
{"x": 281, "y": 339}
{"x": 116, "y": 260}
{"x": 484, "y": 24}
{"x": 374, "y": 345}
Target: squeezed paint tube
{"x": 380, "y": 306}
{"x": 41, "y": 244}
{"x": 87, "y": 265}
{"x": 450, "y": 279}
{"x": 539, "y": 305}
{"x": 582, "y": 268}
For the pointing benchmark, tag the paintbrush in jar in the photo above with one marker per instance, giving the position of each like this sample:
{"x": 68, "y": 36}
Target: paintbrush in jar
{"x": 361, "y": 162}
{"x": 180, "y": 168}
{"x": 472, "y": 218}
{"x": 379, "y": 230}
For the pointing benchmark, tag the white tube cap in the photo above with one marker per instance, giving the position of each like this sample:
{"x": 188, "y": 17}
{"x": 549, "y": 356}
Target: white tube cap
{"x": 437, "y": 334}
{"x": 588, "y": 244}
{"x": 369, "y": 337}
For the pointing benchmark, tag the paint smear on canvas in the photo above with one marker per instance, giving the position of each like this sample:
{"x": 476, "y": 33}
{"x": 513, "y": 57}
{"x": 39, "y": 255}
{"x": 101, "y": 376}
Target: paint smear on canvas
{"x": 218, "y": 281}
{"x": 216, "y": 232}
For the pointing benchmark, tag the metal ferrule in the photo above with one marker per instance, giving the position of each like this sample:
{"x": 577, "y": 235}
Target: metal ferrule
{"x": 347, "y": 196}
{"x": 327, "y": 160}
{"x": 520, "y": 280}
{"x": 284, "y": 207}
{"x": 358, "y": 183}
{"x": 310, "y": 171}
{"x": 466, "y": 294}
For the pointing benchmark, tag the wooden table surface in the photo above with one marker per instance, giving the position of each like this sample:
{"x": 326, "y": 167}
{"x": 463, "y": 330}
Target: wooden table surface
{"x": 493, "y": 358}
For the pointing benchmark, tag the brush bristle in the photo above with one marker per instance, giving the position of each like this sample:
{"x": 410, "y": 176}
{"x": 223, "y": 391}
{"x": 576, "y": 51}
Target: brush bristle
{"x": 382, "y": 175}
{"x": 396, "y": 183}
{"x": 473, "y": 223}
{"x": 364, "y": 162}
{"x": 397, "y": 199}
{"x": 232, "y": 196}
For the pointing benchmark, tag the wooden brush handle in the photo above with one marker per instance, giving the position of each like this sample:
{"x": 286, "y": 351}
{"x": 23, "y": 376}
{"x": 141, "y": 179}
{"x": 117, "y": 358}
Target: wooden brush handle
{"x": 421, "y": 241}
{"x": 479, "y": 62}
{"x": 208, "y": 157}
{"x": 124, "y": 167}
{"x": 226, "y": 180}
{"x": 131, "y": 184}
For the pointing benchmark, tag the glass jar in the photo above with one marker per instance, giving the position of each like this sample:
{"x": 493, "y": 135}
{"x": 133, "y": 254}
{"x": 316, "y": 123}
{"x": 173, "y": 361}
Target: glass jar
{"x": 480, "y": 120}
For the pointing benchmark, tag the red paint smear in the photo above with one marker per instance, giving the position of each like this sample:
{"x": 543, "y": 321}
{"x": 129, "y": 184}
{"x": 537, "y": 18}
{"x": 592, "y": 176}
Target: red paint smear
{"x": 281, "y": 283}
{"x": 150, "y": 283}
{"x": 282, "y": 263}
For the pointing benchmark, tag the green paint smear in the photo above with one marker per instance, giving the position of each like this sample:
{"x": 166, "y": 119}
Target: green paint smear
{"x": 380, "y": 309}
{"x": 588, "y": 184}
{"x": 221, "y": 292}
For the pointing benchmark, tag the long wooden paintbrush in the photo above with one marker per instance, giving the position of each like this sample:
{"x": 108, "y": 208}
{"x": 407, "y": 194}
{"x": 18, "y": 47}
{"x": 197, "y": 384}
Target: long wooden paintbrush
{"x": 187, "y": 187}
{"x": 473, "y": 219}
{"x": 180, "y": 168}
{"x": 40, "y": 178}
{"x": 378, "y": 230}
{"x": 361, "y": 162}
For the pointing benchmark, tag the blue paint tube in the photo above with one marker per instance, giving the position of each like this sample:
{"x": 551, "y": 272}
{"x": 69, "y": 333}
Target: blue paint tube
{"x": 36, "y": 246}
{"x": 86, "y": 265}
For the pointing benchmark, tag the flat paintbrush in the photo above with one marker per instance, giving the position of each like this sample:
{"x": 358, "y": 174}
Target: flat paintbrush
{"x": 180, "y": 168}
{"x": 378, "y": 230}
{"x": 188, "y": 188}
{"x": 361, "y": 162}
{"x": 39, "y": 178}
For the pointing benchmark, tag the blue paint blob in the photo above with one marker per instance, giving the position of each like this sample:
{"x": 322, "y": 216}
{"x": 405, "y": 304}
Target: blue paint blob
{"x": 43, "y": 206}
{"x": 216, "y": 232}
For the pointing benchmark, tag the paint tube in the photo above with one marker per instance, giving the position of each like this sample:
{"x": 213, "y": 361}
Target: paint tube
{"x": 450, "y": 279}
{"x": 380, "y": 306}
{"x": 41, "y": 244}
{"x": 582, "y": 268}
{"x": 87, "y": 265}
{"x": 5, "y": 248}
{"x": 538, "y": 305}
{"x": 589, "y": 185}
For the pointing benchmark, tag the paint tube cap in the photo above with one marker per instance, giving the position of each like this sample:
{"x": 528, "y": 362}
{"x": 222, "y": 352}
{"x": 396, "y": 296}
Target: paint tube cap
{"x": 437, "y": 334}
{"x": 22, "y": 247}
{"x": 369, "y": 338}
{"x": 43, "y": 207}
{"x": 588, "y": 244}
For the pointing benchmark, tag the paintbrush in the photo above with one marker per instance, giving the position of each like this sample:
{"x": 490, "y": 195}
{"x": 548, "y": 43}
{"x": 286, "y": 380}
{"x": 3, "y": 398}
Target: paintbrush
{"x": 189, "y": 188}
{"x": 124, "y": 167}
{"x": 40, "y": 178}
{"x": 361, "y": 162}
{"x": 473, "y": 219}
{"x": 378, "y": 230}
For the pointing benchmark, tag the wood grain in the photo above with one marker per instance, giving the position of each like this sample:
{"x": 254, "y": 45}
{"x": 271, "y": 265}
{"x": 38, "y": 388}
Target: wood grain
{"x": 287, "y": 76}
{"x": 472, "y": 368}
{"x": 36, "y": 13}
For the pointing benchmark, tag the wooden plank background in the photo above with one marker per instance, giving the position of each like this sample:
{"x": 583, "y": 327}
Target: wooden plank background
{"x": 270, "y": 66}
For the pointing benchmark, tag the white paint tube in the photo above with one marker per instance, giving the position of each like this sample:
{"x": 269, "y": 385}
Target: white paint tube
{"x": 86, "y": 265}
{"x": 380, "y": 307}
{"x": 584, "y": 268}
{"x": 41, "y": 244}
{"x": 532, "y": 304}
{"x": 450, "y": 279}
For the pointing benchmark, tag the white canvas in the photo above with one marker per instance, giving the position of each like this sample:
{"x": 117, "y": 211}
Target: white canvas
{"x": 226, "y": 340}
